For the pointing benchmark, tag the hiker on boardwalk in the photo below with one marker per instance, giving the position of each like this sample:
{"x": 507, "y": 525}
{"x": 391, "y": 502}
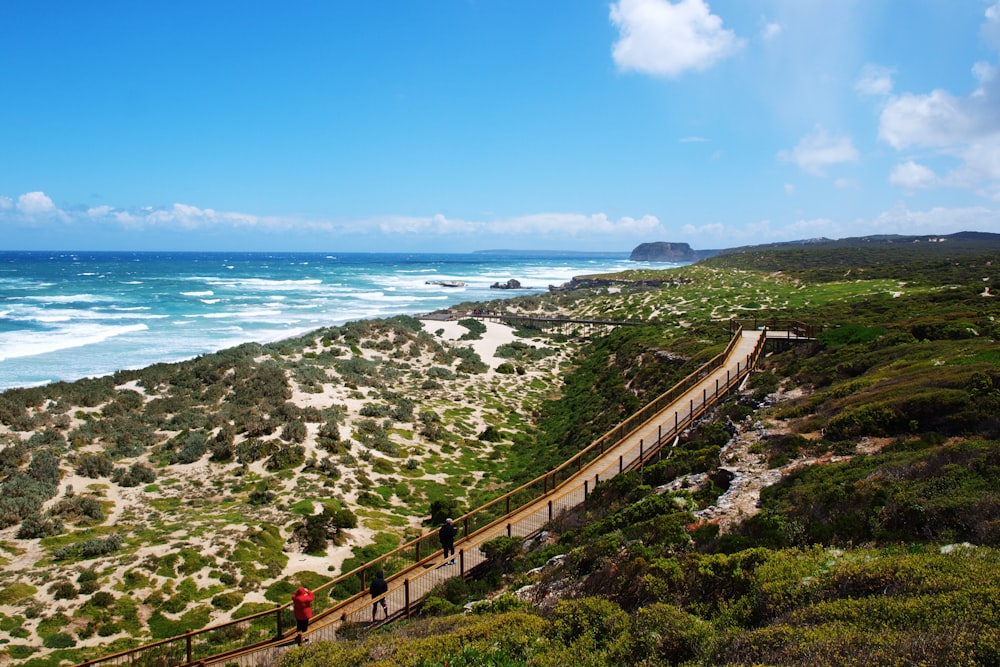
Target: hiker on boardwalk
{"x": 302, "y": 607}
{"x": 447, "y": 535}
{"x": 378, "y": 587}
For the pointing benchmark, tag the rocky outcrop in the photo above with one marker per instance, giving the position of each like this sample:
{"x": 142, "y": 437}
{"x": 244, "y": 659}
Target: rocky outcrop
{"x": 661, "y": 251}
{"x": 513, "y": 283}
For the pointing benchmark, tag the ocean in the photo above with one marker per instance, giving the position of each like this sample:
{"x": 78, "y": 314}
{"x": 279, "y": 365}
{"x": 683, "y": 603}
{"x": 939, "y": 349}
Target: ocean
{"x": 70, "y": 315}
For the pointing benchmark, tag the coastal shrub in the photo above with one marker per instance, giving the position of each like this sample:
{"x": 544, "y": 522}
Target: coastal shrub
{"x": 262, "y": 385}
{"x": 47, "y": 438}
{"x": 294, "y": 431}
{"x": 261, "y": 495}
{"x": 130, "y": 436}
{"x": 21, "y": 496}
{"x": 136, "y": 474}
{"x": 371, "y": 434}
{"x": 35, "y": 525}
{"x": 255, "y": 449}
{"x": 63, "y": 590}
{"x": 222, "y": 447}
{"x": 44, "y": 467}
{"x": 872, "y": 420}
{"x": 59, "y": 640}
{"x": 440, "y": 373}
{"x": 476, "y": 329}
{"x": 471, "y": 362}
{"x": 191, "y": 447}
{"x": 375, "y": 410}
{"x": 94, "y": 465}
{"x": 288, "y": 456}
{"x": 13, "y": 455}
{"x": 491, "y": 434}
{"x": 596, "y": 621}
{"x": 91, "y": 548}
{"x": 506, "y": 368}
{"x": 662, "y": 634}
{"x": 431, "y": 426}
{"x": 227, "y": 601}
{"x": 402, "y": 409}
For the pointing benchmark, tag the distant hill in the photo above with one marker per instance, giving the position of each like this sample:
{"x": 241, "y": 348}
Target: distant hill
{"x": 957, "y": 241}
{"x": 662, "y": 251}
{"x": 963, "y": 242}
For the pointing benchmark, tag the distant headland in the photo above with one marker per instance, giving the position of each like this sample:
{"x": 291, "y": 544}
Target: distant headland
{"x": 662, "y": 251}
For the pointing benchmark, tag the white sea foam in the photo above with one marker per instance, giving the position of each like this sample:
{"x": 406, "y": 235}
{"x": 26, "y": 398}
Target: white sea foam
{"x": 69, "y": 298}
{"x": 15, "y": 344}
{"x": 207, "y": 292}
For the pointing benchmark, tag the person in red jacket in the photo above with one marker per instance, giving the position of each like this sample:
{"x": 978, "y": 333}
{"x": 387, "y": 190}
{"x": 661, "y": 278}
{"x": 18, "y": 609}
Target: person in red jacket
{"x": 302, "y": 607}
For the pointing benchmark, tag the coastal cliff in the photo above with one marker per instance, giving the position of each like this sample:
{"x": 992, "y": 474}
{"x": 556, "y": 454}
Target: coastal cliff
{"x": 662, "y": 251}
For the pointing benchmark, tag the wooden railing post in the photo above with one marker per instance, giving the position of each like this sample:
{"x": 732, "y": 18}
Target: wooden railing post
{"x": 406, "y": 597}
{"x": 279, "y": 622}
{"x": 190, "y": 654}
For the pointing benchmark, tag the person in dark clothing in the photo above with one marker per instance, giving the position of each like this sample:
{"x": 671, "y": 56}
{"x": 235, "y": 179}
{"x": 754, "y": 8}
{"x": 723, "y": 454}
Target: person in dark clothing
{"x": 447, "y": 535}
{"x": 302, "y": 607}
{"x": 378, "y": 587}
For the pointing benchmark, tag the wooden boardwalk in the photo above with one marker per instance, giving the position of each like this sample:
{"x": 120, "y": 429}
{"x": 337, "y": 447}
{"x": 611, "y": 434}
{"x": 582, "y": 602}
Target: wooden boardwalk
{"x": 411, "y": 585}
{"x": 418, "y": 567}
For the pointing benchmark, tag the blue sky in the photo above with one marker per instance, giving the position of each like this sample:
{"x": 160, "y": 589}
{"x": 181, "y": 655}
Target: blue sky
{"x": 458, "y": 125}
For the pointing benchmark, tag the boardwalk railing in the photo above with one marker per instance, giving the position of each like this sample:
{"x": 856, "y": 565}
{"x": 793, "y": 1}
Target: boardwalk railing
{"x": 413, "y": 569}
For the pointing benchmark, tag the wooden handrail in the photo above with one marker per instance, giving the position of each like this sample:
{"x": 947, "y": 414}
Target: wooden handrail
{"x": 609, "y": 438}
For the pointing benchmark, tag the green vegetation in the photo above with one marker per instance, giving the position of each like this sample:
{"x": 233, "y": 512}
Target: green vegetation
{"x": 883, "y": 553}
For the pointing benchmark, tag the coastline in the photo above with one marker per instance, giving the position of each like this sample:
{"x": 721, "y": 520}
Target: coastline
{"x": 69, "y": 316}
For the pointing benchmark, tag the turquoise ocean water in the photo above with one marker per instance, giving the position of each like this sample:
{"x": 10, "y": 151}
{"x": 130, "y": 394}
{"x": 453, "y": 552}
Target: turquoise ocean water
{"x": 69, "y": 315}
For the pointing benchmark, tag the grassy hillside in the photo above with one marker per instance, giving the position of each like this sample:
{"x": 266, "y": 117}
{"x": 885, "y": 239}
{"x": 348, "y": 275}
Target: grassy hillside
{"x": 877, "y": 545}
{"x": 878, "y": 445}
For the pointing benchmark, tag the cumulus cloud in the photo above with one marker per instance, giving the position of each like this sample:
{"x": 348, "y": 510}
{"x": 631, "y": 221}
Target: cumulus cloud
{"x": 6, "y": 203}
{"x": 964, "y": 128}
{"x": 911, "y": 176}
{"x": 664, "y": 38}
{"x": 818, "y": 150}
{"x": 35, "y": 203}
{"x": 875, "y": 81}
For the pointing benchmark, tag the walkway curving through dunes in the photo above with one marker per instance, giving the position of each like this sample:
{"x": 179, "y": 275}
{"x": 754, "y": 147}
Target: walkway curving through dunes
{"x": 416, "y": 568}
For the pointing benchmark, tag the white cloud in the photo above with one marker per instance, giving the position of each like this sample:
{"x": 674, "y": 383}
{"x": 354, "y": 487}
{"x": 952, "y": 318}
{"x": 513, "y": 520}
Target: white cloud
{"x": 188, "y": 218}
{"x": 694, "y": 140}
{"x": 991, "y": 29}
{"x": 912, "y": 176}
{"x": 875, "y": 81}
{"x": 35, "y": 203}
{"x": 6, "y": 203}
{"x": 938, "y": 119}
{"x": 818, "y": 150}
{"x": 965, "y": 128}
{"x": 540, "y": 224}
{"x": 938, "y": 220}
{"x": 770, "y": 31}
{"x": 664, "y": 38}
{"x": 789, "y": 189}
